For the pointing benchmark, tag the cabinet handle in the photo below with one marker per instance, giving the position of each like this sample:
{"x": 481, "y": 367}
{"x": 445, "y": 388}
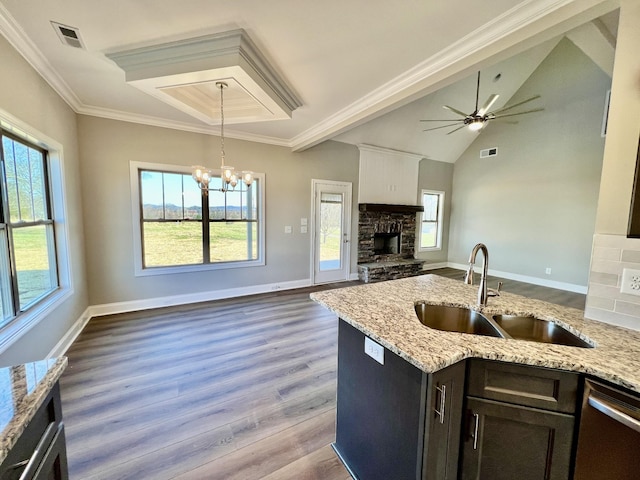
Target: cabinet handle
{"x": 40, "y": 450}
{"x": 476, "y": 419}
{"x": 443, "y": 402}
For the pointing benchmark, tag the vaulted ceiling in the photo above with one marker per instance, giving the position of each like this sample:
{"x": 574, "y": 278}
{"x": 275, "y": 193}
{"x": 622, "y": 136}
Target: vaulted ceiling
{"x": 346, "y": 63}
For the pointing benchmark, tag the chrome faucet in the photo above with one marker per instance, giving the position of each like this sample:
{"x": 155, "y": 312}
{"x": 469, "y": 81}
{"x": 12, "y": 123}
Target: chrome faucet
{"x": 483, "y": 292}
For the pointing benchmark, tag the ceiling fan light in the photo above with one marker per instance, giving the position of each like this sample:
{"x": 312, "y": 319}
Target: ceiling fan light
{"x": 476, "y": 124}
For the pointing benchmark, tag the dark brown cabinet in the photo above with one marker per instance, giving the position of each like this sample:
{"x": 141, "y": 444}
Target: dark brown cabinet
{"x": 443, "y": 420}
{"x": 380, "y": 410}
{"x": 523, "y": 427}
{"x": 40, "y": 452}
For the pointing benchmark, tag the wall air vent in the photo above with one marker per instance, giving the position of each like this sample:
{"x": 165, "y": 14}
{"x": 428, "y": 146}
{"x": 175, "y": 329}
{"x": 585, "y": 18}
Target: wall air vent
{"x": 68, "y": 35}
{"x": 489, "y": 152}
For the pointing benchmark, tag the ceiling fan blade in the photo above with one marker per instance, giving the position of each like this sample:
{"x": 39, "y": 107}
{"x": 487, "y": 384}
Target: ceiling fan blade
{"x": 454, "y": 110}
{"x": 487, "y": 105}
{"x": 519, "y": 113}
{"x": 517, "y": 104}
{"x": 475, "y": 112}
{"x": 442, "y": 120}
{"x": 459, "y": 128}
{"x": 443, "y": 126}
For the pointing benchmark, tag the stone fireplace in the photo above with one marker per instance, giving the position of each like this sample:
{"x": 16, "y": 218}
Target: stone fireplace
{"x": 386, "y": 241}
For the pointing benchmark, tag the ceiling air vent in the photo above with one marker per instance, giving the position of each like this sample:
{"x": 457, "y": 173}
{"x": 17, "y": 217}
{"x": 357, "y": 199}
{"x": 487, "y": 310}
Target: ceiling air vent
{"x": 489, "y": 152}
{"x": 68, "y": 35}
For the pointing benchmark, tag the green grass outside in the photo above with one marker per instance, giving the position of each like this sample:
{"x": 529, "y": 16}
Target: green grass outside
{"x": 180, "y": 243}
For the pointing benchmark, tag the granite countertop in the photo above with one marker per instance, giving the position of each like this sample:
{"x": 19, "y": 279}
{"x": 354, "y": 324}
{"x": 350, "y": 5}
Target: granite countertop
{"x": 385, "y": 312}
{"x": 22, "y": 390}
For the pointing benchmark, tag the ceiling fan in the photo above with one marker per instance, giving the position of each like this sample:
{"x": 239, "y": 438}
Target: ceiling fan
{"x": 479, "y": 118}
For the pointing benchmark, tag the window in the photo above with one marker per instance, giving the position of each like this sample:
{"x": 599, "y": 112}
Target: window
{"x": 431, "y": 220}
{"x": 28, "y": 268}
{"x": 180, "y": 227}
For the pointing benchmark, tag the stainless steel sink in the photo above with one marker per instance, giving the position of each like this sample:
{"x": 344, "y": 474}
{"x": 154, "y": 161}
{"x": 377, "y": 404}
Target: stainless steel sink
{"x": 538, "y": 330}
{"x": 517, "y": 327}
{"x": 455, "y": 319}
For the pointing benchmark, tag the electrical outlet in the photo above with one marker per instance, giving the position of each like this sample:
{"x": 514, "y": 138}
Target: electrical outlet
{"x": 374, "y": 350}
{"x": 630, "y": 281}
{"x": 548, "y": 271}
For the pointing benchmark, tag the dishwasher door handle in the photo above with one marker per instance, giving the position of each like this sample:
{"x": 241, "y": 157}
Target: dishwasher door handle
{"x": 612, "y": 412}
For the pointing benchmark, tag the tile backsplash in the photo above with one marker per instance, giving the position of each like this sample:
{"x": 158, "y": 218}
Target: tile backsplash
{"x": 605, "y": 302}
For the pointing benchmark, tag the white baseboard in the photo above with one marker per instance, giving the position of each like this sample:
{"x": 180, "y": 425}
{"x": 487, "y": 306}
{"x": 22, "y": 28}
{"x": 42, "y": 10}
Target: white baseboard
{"x": 158, "y": 302}
{"x": 433, "y": 266}
{"x": 569, "y": 287}
{"x": 67, "y": 340}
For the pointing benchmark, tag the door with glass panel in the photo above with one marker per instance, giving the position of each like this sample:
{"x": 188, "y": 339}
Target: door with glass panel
{"x": 331, "y": 230}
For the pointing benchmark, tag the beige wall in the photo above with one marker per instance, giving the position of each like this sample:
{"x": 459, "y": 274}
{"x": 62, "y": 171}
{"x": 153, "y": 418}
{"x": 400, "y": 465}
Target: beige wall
{"x": 437, "y": 176}
{"x": 534, "y": 204}
{"x": 107, "y": 147}
{"x": 25, "y": 96}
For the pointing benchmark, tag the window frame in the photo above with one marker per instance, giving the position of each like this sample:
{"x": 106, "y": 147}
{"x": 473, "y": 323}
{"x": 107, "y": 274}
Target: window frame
{"x": 9, "y": 227}
{"x": 136, "y": 208}
{"x": 39, "y": 311}
{"x": 439, "y": 221}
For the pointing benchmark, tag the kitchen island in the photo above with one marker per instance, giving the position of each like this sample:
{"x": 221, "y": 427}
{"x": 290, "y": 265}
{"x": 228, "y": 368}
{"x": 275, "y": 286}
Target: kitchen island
{"x": 416, "y": 402}
{"x": 385, "y": 312}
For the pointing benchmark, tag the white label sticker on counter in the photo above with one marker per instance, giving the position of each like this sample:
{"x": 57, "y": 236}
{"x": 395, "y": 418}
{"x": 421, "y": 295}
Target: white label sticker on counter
{"x": 374, "y": 350}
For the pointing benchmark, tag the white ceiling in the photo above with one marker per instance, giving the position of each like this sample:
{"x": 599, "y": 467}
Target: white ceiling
{"x": 347, "y": 61}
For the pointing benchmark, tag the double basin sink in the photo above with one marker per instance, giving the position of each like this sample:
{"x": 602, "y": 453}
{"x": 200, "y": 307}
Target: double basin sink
{"x": 466, "y": 320}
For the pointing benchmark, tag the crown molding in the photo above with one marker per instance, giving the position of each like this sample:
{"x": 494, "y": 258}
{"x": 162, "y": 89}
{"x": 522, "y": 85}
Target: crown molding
{"x": 410, "y": 84}
{"x": 110, "y": 114}
{"x": 443, "y": 64}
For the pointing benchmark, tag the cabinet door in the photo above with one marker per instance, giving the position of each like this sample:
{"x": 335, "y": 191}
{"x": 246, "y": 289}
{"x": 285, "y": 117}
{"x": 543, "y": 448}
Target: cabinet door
{"x": 443, "y": 420}
{"x": 380, "y": 411}
{"x": 507, "y": 442}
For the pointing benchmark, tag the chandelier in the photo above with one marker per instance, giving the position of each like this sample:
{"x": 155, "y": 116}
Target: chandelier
{"x": 228, "y": 175}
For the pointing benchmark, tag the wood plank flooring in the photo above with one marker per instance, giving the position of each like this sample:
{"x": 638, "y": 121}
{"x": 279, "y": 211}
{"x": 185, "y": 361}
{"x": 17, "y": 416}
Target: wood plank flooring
{"x": 233, "y": 389}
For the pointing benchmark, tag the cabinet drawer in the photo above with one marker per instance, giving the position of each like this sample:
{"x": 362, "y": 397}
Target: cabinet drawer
{"x": 537, "y": 387}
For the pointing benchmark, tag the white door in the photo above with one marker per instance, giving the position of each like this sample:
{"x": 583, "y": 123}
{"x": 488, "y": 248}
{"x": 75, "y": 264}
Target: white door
{"x": 331, "y": 230}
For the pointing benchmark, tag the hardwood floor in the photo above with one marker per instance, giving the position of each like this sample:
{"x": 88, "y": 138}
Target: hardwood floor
{"x": 240, "y": 388}
{"x": 232, "y": 389}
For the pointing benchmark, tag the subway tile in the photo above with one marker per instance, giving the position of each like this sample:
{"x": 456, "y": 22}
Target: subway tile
{"x": 603, "y": 291}
{"x": 632, "y": 256}
{"x": 613, "y": 318}
{"x": 627, "y": 308}
{"x": 607, "y": 253}
{"x": 604, "y": 278}
{"x": 604, "y": 266}
{"x": 601, "y": 303}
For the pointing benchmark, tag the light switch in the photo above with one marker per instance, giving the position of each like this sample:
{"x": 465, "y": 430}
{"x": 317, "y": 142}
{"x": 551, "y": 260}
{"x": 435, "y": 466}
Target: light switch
{"x": 374, "y": 350}
{"x": 288, "y": 229}
{"x": 303, "y": 221}
{"x": 303, "y": 229}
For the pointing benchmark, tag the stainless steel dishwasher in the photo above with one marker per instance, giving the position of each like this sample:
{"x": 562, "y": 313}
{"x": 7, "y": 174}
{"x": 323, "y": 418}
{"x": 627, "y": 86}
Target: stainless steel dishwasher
{"x": 609, "y": 436}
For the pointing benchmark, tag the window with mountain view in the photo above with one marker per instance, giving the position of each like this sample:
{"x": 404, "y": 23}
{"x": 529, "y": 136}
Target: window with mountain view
{"x": 182, "y": 226}
{"x": 28, "y": 270}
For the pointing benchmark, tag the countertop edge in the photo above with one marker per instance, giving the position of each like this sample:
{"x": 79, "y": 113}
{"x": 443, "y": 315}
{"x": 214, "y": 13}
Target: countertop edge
{"x": 29, "y": 407}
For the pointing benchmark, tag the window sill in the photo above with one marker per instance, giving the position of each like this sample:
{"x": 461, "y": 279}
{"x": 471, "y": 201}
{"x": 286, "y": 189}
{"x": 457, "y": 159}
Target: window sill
{"x": 147, "y": 272}
{"x": 24, "y": 322}
{"x": 430, "y": 249}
